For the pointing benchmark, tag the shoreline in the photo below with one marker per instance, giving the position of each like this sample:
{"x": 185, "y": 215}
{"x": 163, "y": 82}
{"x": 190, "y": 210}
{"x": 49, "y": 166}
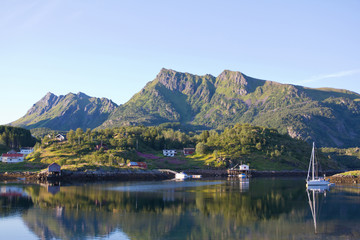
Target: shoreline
{"x": 150, "y": 175}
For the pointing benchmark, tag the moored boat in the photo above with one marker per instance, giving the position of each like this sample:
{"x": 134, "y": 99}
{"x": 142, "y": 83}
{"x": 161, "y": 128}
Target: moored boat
{"x": 181, "y": 176}
{"x": 313, "y": 178}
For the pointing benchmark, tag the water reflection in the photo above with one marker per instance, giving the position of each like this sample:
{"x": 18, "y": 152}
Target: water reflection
{"x": 269, "y": 209}
{"x": 313, "y": 193}
{"x": 242, "y": 184}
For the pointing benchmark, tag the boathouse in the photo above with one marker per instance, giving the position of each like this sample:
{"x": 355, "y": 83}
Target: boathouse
{"x": 242, "y": 169}
{"x": 54, "y": 169}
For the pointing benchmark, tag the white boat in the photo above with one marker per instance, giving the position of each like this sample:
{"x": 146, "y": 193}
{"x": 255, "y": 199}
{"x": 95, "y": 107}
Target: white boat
{"x": 312, "y": 177}
{"x": 181, "y": 176}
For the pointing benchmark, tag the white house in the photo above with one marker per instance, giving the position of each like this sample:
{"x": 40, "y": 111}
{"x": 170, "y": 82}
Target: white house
{"x": 244, "y": 167}
{"x": 12, "y": 157}
{"x": 60, "y": 137}
{"x": 26, "y": 150}
{"x": 169, "y": 152}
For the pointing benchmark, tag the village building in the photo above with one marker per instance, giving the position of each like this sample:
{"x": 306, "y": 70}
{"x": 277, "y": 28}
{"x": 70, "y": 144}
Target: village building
{"x": 137, "y": 164}
{"x": 189, "y": 151}
{"x": 26, "y": 150}
{"x": 244, "y": 167}
{"x": 12, "y": 157}
{"x": 60, "y": 137}
{"x": 54, "y": 169}
{"x": 169, "y": 152}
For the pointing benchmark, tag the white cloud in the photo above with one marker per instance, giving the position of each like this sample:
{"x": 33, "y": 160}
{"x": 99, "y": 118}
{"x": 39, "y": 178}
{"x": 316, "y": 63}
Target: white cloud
{"x": 331, "y": 75}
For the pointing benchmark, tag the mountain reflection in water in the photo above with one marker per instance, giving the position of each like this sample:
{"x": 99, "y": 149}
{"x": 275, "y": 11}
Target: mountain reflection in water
{"x": 229, "y": 209}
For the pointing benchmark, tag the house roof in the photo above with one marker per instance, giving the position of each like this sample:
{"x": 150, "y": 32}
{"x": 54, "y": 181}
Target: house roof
{"x": 54, "y": 164}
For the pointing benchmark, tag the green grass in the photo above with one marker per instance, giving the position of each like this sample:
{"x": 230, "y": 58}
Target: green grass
{"x": 22, "y": 167}
{"x": 355, "y": 173}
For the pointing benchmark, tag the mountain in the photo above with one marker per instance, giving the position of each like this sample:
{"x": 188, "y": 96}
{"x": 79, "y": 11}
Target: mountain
{"x": 67, "y": 112}
{"x": 328, "y": 116}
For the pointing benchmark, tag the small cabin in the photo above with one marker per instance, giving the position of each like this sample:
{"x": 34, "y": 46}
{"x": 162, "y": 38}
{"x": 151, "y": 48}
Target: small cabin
{"x": 60, "y": 137}
{"x": 54, "y": 169}
{"x": 189, "y": 151}
{"x": 169, "y": 152}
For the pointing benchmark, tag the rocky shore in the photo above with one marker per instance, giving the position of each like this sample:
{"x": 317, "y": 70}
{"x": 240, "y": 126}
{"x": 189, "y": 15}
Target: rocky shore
{"x": 89, "y": 175}
{"x": 344, "y": 179}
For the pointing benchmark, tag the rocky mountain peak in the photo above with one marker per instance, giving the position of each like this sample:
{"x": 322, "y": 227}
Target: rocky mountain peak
{"x": 169, "y": 78}
{"x": 82, "y": 95}
{"x": 234, "y": 77}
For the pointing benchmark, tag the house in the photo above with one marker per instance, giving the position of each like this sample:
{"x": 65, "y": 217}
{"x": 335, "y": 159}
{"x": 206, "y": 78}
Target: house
{"x": 189, "y": 151}
{"x": 137, "y": 164}
{"x": 54, "y": 169}
{"x": 169, "y": 152}
{"x": 12, "y": 157}
{"x": 26, "y": 150}
{"x": 142, "y": 165}
{"x": 60, "y": 137}
{"x": 244, "y": 167}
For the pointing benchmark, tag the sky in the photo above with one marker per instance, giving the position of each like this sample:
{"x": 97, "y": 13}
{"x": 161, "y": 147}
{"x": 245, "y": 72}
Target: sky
{"x": 112, "y": 48}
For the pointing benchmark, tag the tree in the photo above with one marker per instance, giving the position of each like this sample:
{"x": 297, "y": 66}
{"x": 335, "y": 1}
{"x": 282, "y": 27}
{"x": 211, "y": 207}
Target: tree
{"x": 71, "y": 136}
{"x": 201, "y": 148}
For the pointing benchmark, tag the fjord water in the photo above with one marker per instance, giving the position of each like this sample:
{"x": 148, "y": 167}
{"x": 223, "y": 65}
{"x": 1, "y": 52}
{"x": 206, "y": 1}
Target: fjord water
{"x": 261, "y": 208}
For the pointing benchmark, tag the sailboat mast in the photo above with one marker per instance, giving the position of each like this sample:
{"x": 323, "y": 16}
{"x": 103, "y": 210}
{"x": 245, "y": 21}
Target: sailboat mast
{"x": 313, "y": 165}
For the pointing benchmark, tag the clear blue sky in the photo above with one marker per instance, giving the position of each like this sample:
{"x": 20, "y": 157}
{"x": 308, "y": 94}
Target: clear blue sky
{"x": 112, "y": 48}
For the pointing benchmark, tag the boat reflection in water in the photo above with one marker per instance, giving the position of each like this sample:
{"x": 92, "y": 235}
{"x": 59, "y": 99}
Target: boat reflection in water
{"x": 315, "y": 194}
{"x": 243, "y": 183}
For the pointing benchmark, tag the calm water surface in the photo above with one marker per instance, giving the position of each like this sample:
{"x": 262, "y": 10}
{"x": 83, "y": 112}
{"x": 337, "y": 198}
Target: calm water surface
{"x": 262, "y": 208}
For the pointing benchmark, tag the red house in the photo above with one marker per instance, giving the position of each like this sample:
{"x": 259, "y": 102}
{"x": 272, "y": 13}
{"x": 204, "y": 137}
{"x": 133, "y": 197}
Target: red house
{"x": 189, "y": 151}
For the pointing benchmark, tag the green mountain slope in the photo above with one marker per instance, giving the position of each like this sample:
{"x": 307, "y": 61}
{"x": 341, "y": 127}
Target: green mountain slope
{"x": 67, "y": 112}
{"x": 328, "y": 116}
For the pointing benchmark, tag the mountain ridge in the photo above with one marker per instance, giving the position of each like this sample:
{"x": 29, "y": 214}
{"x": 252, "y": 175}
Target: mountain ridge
{"x": 326, "y": 115}
{"x": 68, "y": 111}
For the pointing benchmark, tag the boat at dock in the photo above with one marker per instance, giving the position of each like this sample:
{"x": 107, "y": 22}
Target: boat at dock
{"x": 313, "y": 178}
{"x": 181, "y": 176}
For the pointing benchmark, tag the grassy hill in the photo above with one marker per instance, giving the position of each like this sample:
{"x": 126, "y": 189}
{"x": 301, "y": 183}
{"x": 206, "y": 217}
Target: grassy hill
{"x": 262, "y": 148}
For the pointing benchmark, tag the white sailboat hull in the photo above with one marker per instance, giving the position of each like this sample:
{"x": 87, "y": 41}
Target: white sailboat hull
{"x": 317, "y": 182}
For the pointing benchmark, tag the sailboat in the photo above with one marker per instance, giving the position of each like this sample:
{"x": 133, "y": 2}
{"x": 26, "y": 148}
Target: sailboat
{"x": 312, "y": 177}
